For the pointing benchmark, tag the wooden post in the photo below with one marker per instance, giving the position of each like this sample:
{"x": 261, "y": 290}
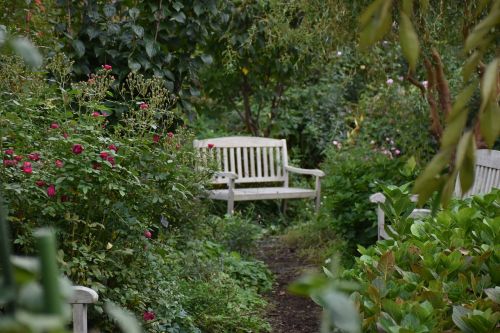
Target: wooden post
{"x": 318, "y": 194}
{"x": 79, "y": 300}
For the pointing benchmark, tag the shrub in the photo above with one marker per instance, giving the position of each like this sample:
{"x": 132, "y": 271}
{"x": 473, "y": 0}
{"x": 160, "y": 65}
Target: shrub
{"x": 118, "y": 188}
{"x": 441, "y": 278}
{"x": 352, "y": 175}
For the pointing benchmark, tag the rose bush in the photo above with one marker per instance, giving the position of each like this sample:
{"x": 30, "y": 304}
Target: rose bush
{"x": 119, "y": 188}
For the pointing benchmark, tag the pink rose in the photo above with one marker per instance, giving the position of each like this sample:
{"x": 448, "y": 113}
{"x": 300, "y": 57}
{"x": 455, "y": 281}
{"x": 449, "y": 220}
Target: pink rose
{"x": 40, "y": 183}
{"x": 148, "y": 315}
{"x": 156, "y": 138}
{"x": 170, "y": 134}
{"x": 210, "y": 145}
{"x": 54, "y": 125}
{"x": 107, "y": 67}
{"x": 59, "y": 164}
{"x": 389, "y": 81}
{"x": 178, "y": 146}
{"x": 104, "y": 155}
{"x": 111, "y": 160}
{"x": 147, "y": 234}
{"x": 113, "y": 147}
{"x": 27, "y": 168}
{"x": 77, "y": 149}
{"x": 143, "y": 106}
{"x": 34, "y": 156}
{"x": 65, "y": 135}
{"x": 95, "y": 114}
{"x": 9, "y": 152}
{"x": 397, "y": 152}
{"x": 18, "y": 158}
{"x": 51, "y": 190}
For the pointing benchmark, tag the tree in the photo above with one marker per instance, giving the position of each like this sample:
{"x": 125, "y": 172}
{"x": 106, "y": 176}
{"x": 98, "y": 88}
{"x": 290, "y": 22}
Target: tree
{"x": 458, "y": 129}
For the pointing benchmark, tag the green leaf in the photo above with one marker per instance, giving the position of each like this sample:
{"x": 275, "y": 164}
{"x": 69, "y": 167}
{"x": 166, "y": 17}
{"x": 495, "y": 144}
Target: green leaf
{"x": 138, "y": 30}
{"x": 79, "y": 48}
{"x": 179, "y": 17}
{"x": 458, "y": 313}
{"x": 466, "y": 172}
{"x": 341, "y": 311}
{"x": 109, "y": 10}
{"x": 134, "y": 13}
{"x": 133, "y": 65}
{"x": 489, "y": 82}
{"x": 493, "y": 294}
{"x": 471, "y": 65}
{"x": 409, "y": 41}
{"x": 150, "y": 48}
{"x": 124, "y": 319}
{"x": 428, "y": 179}
{"x": 207, "y": 59}
{"x": 454, "y": 129}
{"x": 28, "y": 52}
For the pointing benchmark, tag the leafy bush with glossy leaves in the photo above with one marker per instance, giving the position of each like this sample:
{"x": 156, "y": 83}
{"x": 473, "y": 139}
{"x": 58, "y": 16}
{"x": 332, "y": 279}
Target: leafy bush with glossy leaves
{"x": 441, "y": 276}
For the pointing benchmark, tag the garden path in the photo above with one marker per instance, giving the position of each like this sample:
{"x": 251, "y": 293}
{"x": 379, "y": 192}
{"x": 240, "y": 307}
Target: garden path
{"x": 287, "y": 313}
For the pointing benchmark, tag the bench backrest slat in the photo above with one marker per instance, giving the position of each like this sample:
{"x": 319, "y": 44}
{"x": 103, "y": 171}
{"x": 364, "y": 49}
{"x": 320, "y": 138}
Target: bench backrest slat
{"x": 253, "y": 159}
{"x": 487, "y": 174}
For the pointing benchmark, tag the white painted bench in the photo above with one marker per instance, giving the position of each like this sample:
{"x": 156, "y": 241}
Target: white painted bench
{"x": 80, "y": 298}
{"x": 253, "y": 160}
{"x": 487, "y": 177}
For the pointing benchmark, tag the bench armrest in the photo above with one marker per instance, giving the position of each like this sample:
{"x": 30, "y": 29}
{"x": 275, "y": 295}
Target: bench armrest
{"x": 312, "y": 172}
{"x": 83, "y": 295}
{"x": 228, "y": 174}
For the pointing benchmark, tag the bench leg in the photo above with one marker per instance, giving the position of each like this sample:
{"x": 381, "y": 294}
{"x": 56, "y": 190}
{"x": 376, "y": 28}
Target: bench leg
{"x": 318, "y": 194}
{"x": 284, "y": 206}
{"x": 79, "y": 318}
{"x": 230, "y": 207}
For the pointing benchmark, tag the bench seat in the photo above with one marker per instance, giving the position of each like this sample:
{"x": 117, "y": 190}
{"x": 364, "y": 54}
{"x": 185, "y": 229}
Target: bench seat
{"x": 263, "y": 193}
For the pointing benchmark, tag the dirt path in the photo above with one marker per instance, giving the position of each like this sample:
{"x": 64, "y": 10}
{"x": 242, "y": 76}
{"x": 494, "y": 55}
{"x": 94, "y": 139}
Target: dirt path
{"x": 287, "y": 313}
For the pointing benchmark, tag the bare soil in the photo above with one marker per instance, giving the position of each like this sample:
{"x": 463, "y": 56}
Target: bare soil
{"x": 287, "y": 313}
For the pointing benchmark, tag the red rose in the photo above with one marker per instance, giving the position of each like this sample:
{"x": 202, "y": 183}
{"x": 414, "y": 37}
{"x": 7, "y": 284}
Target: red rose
{"x": 51, "y": 190}
{"x": 18, "y": 158}
{"x": 8, "y": 163}
{"x": 210, "y": 145}
{"x": 156, "y": 138}
{"x": 77, "y": 149}
{"x": 27, "y": 168}
{"x": 111, "y": 160}
{"x": 170, "y": 134}
{"x": 59, "y": 164}
{"x": 104, "y": 155}
{"x": 107, "y": 67}
{"x": 54, "y": 125}
{"x": 113, "y": 147}
{"x": 95, "y": 114}
{"x": 147, "y": 234}
{"x": 40, "y": 183}
{"x": 9, "y": 152}
{"x": 96, "y": 166}
{"x": 143, "y": 106}
{"x": 148, "y": 315}
{"x": 34, "y": 156}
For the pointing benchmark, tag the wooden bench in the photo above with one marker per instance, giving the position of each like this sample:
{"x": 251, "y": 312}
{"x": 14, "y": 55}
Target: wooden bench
{"x": 80, "y": 299}
{"x": 487, "y": 177}
{"x": 253, "y": 160}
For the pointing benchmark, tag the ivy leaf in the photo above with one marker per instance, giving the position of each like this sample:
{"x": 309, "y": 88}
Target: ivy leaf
{"x": 109, "y": 10}
{"x": 179, "y": 17}
{"x": 138, "y": 30}
{"x": 134, "y": 13}
{"x": 150, "y": 48}
{"x": 198, "y": 9}
{"x": 133, "y": 65}
{"x": 79, "y": 48}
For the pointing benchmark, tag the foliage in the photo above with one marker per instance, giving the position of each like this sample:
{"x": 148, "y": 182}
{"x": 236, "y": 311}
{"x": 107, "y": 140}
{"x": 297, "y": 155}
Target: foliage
{"x": 119, "y": 191}
{"x": 352, "y": 175}
{"x": 464, "y": 129}
{"x": 440, "y": 276}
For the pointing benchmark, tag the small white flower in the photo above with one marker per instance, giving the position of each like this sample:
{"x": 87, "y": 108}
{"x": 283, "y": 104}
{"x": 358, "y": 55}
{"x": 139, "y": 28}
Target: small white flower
{"x": 372, "y": 142}
{"x": 425, "y": 84}
{"x": 397, "y": 152}
{"x": 400, "y": 78}
{"x": 335, "y": 142}
{"x": 389, "y": 81}
{"x": 339, "y": 53}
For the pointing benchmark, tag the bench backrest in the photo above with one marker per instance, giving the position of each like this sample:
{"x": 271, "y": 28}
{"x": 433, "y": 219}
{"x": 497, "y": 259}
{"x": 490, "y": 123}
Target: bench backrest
{"x": 253, "y": 159}
{"x": 487, "y": 174}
